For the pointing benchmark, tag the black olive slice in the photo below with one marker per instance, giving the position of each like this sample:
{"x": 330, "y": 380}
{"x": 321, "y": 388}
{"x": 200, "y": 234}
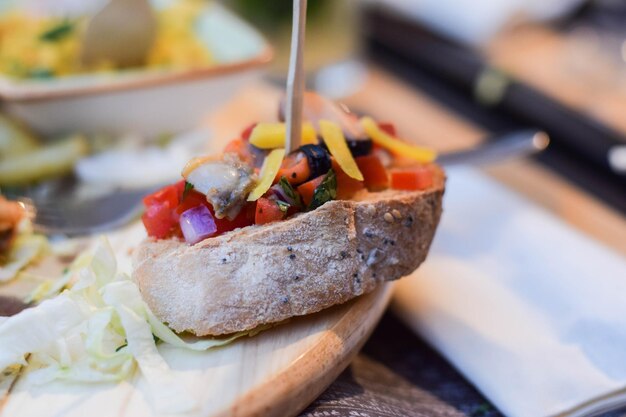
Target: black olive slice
{"x": 318, "y": 158}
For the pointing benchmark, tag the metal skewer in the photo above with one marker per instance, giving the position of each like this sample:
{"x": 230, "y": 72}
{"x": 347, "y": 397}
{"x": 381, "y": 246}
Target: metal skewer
{"x": 295, "y": 78}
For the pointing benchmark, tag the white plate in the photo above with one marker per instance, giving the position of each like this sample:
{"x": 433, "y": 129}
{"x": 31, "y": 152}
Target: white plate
{"x": 148, "y": 102}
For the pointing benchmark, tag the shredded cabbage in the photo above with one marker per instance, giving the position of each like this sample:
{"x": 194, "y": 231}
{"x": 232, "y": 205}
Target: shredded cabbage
{"x": 98, "y": 330}
{"x": 26, "y": 248}
{"x": 53, "y": 286}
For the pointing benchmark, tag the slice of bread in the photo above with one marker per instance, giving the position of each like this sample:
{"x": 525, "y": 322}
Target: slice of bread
{"x": 266, "y": 274}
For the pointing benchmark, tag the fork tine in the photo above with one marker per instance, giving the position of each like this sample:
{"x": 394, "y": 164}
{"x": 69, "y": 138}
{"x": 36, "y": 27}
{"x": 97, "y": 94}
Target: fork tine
{"x": 74, "y": 217}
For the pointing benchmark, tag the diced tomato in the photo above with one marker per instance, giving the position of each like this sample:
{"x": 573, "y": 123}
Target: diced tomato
{"x": 164, "y": 207}
{"x": 418, "y": 178}
{"x": 158, "y": 220}
{"x": 307, "y": 189}
{"x": 388, "y": 128}
{"x": 267, "y": 211}
{"x": 243, "y": 219}
{"x": 295, "y": 168}
{"x": 374, "y": 173}
{"x": 180, "y": 188}
{"x": 250, "y": 210}
{"x": 346, "y": 185}
{"x": 169, "y": 194}
{"x": 191, "y": 200}
{"x": 245, "y": 134}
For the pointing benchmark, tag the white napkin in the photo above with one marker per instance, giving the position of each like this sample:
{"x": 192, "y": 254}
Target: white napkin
{"x": 531, "y": 311}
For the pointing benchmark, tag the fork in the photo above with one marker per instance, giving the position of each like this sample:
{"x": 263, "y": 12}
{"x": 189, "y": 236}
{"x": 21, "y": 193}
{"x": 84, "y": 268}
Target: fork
{"x": 59, "y": 207}
{"x": 82, "y": 217}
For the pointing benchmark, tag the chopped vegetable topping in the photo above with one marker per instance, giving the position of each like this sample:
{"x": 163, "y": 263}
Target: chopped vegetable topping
{"x": 318, "y": 157}
{"x": 272, "y": 135}
{"x": 291, "y": 196}
{"x": 222, "y": 193}
{"x": 295, "y": 168}
{"x": 197, "y": 224}
{"x": 360, "y": 147}
{"x": 375, "y": 174}
{"x": 188, "y": 187}
{"x": 195, "y": 199}
{"x": 412, "y": 179}
{"x": 326, "y": 191}
{"x": 267, "y": 211}
{"x": 283, "y": 206}
{"x": 169, "y": 194}
{"x": 307, "y": 190}
{"x": 395, "y": 145}
{"x": 336, "y": 142}
{"x": 160, "y": 218}
{"x": 270, "y": 168}
{"x": 346, "y": 186}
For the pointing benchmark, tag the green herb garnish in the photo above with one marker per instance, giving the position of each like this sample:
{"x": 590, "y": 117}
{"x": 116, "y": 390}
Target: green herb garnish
{"x": 283, "y": 206}
{"x": 58, "y": 32}
{"x": 326, "y": 191}
{"x": 188, "y": 188}
{"x": 289, "y": 191}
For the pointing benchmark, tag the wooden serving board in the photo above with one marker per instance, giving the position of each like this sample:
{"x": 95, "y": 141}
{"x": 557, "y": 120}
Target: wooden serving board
{"x": 276, "y": 373}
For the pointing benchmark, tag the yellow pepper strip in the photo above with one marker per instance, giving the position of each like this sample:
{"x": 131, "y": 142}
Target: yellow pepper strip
{"x": 336, "y": 143}
{"x": 398, "y": 147}
{"x": 272, "y": 135}
{"x": 270, "y": 168}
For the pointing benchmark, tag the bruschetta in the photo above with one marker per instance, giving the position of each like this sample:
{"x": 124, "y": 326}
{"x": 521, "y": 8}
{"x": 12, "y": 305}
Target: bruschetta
{"x": 254, "y": 236}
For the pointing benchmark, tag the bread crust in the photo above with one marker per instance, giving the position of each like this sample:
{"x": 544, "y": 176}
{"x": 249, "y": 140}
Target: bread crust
{"x": 266, "y": 274}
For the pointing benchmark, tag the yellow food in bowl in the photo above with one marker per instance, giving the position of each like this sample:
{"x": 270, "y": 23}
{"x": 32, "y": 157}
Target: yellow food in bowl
{"x": 35, "y": 47}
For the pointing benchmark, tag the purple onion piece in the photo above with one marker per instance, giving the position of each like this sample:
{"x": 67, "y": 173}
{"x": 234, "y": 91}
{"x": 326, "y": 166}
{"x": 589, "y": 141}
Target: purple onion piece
{"x": 280, "y": 193}
{"x": 197, "y": 224}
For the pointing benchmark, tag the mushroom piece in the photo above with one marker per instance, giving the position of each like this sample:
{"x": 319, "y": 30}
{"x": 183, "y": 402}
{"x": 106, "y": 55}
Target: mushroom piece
{"x": 226, "y": 183}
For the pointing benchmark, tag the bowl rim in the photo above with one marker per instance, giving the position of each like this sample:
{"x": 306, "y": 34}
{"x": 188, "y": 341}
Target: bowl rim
{"x": 15, "y": 93}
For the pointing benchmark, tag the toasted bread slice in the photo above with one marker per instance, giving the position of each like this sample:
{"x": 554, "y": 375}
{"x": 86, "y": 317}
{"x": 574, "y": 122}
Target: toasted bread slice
{"x": 266, "y": 274}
